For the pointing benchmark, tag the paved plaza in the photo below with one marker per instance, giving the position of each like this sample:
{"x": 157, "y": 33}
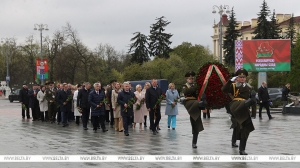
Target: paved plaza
{"x": 26, "y": 137}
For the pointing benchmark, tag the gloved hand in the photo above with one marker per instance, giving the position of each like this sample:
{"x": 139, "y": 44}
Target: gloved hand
{"x": 233, "y": 79}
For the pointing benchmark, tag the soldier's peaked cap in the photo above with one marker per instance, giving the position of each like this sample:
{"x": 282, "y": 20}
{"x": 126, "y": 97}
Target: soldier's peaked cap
{"x": 190, "y": 74}
{"x": 241, "y": 72}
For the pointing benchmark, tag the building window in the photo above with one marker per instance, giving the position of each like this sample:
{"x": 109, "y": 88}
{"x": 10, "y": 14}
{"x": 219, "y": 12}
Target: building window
{"x": 246, "y": 38}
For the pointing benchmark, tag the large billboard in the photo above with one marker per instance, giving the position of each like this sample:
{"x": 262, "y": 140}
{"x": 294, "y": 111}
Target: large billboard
{"x": 42, "y": 69}
{"x": 263, "y": 55}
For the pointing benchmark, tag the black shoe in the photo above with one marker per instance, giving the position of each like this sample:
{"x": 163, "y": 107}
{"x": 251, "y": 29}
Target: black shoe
{"x": 243, "y": 153}
{"x": 158, "y": 128}
{"x": 85, "y": 128}
{"x": 173, "y": 128}
{"x": 126, "y": 134}
{"x": 260, "y": 118}
{"x": 234, "y": 145}
{"x": 194, "y": 145}
{"x": 168, "y": 127}
{"x": 154, "y": 132}
{"x": 271, "y": 118}
{"x": 98, "y": 127}
{"x": 145, "y": 125}
{"x": 104, "y": 130}
{"x": 95, "y": 131}
{"x": 121, "y": 131}
{"x": 64, "y": 125}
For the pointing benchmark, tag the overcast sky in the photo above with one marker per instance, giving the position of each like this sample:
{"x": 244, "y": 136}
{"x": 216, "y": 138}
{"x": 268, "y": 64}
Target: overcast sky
{"x": 114, "y": 21}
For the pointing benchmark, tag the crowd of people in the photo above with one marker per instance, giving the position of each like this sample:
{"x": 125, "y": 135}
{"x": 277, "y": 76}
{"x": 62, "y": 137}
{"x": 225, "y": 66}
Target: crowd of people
{"x": 117, "y": 103}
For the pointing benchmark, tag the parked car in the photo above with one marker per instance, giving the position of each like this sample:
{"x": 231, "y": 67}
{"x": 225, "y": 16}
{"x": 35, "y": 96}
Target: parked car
{"x": 274, "y": 93}
{"x": 14, "y": 95}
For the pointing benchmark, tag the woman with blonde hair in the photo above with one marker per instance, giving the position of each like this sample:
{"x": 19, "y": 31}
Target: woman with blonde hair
{"x": 116, "y": 108}
{"x": 138, "y": 112}
{"x": 143, "y": 107}
{"x": 172, "y": 97}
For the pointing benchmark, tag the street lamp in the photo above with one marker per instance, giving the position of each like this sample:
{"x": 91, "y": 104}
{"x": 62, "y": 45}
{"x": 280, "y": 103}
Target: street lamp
{"x": 7, "y": 41}
{"x": 41, "y": 27}
{"x": 221, "y": 9}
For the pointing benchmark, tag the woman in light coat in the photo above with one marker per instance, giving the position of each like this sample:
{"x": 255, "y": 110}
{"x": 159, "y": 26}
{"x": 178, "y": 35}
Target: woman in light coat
{"x": 77, "y": 113}
{"x": 172, "y": 97}
{"x": 144, "y": 108}
{"x": 42, "y": 102}
{"x": 117, "y": 108}
{"x": 138, "y": 113}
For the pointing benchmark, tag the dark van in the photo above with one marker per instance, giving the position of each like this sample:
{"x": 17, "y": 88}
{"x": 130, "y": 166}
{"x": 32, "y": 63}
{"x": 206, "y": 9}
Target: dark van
{"x": 162, "y": 83}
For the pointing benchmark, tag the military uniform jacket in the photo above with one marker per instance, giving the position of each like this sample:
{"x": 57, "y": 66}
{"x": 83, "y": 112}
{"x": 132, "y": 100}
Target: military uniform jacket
{"x": 50, "y": 95}
{"x": 192, "y": 104}
{"x": 237, "y": 106}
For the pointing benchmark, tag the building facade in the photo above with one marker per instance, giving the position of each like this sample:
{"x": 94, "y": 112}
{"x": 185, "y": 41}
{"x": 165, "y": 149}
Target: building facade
{"x": 246, "y": 28}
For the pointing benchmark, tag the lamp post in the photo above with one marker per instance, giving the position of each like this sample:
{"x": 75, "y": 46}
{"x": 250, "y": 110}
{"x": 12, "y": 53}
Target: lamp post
{"x": 41, "y": 27}
{"x": 221, "y": 9}
{"x": 7, "y": 41}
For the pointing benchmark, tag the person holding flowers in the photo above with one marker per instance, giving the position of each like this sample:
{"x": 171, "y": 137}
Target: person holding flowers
{"x": 126, "y": 99}
{"x": 137, "y": 108}
{"x": 42, "y": 102}
{"x": 65, "y": 103}
{"x": 143, "y": 102}
{"x": 192, "y": 106}
{"x": 153, "y": 98}
{"x": 77, "y": 110}
{"x": 116, "y": 108}
{"x": 97, "y": 100}
{"x": 172, "y": 97}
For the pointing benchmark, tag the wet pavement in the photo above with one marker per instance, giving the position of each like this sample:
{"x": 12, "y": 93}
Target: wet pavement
{"x": 279, "y": 136}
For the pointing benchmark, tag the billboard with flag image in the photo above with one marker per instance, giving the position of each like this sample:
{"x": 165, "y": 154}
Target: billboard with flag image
{"x": 263, "y": 55}
{"x": 41, "y": 69}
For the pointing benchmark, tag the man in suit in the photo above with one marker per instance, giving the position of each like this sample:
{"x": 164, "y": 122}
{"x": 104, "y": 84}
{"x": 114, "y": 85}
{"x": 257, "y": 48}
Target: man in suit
{"x": 60, "y": 88}
{"x": 65, "y": 101}
{"x": 152, "y": 95}
{"x": 34, "y": 103}
{"x": 50, "y": 96}
{"x": 123, "y": 99}
{"x": 284, "y": 96}
{"x": 82, "y": 102}
{"x": 24, "y": 100}
{"x": 95, "y": 99}
{"x": 264, "y": 99}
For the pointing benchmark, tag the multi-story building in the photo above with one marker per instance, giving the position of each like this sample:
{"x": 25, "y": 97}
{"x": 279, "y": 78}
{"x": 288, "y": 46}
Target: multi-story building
{"x": 247, "y": 27}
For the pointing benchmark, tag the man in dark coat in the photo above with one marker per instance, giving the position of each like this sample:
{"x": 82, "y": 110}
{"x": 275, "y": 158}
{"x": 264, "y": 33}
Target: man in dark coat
{"x": 50, "y": 96}
{"x": 239, "y": 107}
{"x": 192, "y": 106}
{"x": 65, "y": 103}
{"x": 59, "y": 88}
{"x": 95, "y": 99}
{"x": 24, "y": 100}
{"x": 284, "y": 96}
{"x": 126, "y": 100}
{"x": 152, "y": 95}
{"x": 264, "y": 100}
{"x": 83, "y": 103}
{"x": 34, "y": 103}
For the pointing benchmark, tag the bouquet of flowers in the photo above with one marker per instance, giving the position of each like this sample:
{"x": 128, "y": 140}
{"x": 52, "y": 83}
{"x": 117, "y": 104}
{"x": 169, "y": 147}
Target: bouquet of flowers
{"x": 130, "y": 103}
{"x": 104, "y": 101}
{"x": 175, "y": 100}
{"x": 143, "y": 101}
{"x": 138, "y": 106}
{"x": 70, "y": 97}
{"x": 23, "y": 107}
{"x": 159, "y": 100}
{"x": 79, "y": 109}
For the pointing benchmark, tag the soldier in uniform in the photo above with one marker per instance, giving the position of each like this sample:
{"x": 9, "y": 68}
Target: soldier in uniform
{"x": 50, "y": 97}
{"x": 244, "y": 97}
{"x": 193, "y": 106}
